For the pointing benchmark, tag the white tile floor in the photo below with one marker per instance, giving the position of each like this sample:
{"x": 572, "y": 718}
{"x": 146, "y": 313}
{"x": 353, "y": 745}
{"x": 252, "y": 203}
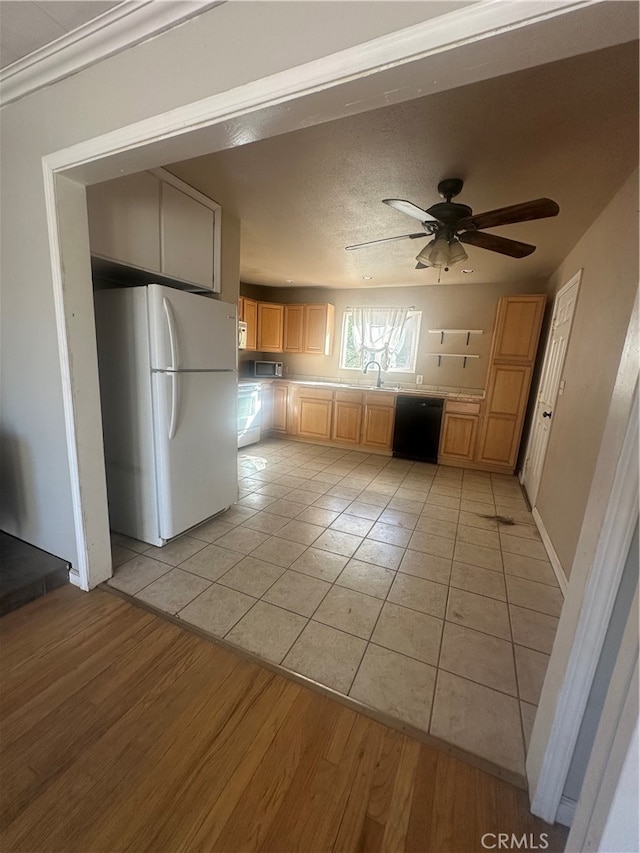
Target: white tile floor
{"x": 389, "y": 581}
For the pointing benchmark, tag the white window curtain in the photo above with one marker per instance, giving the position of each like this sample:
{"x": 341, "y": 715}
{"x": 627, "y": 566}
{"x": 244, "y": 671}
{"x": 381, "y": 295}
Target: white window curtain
{"x": 379, "y": 331}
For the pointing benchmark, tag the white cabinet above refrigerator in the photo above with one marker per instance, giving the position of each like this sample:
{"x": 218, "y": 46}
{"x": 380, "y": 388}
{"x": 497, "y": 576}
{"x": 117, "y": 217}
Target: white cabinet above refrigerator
{"x": 154, "y": 222}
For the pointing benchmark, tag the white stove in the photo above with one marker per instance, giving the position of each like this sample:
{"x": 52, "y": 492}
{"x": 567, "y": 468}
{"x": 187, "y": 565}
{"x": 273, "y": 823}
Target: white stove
{"x": 249, "y": 413}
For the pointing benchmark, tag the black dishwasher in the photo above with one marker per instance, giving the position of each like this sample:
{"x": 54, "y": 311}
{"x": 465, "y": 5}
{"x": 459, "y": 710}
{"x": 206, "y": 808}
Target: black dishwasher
{"x": 417, "y": 428}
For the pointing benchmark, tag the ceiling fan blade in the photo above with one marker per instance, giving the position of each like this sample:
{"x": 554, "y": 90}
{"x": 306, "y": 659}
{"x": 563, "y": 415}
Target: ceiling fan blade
{"x": 493, "y": 243}
{"x": 420, "y": 266}
{"x": 539, "y": 208}
{"x": 387, "y": 240}
{"x": 409, "y": 208}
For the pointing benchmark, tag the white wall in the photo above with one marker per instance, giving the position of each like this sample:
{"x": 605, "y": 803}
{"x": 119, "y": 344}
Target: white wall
{"x": 608, "y": 256}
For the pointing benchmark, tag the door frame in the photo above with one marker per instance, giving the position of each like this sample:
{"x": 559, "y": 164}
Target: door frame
{"x": 319, "y": 90}
{"x": 573, "y": 281}
{"x": 607, "y": 530}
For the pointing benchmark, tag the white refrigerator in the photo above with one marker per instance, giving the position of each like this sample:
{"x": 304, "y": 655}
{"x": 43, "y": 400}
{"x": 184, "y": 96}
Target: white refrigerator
{"x": 168, "y": 388}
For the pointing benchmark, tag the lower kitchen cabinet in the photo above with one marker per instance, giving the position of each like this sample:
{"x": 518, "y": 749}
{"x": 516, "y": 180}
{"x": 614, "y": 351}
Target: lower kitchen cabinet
{"x": 379, "y": 414}
{"x": 458, "y": 439}
{"x": 315, "y": 408}
{"x": 459, "y": 431}
{"x": 279, "y": 399}
{"x": 347, "y": 417}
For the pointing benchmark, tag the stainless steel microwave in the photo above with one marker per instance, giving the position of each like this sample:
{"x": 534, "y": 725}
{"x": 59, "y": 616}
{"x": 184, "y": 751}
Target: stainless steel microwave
{"x": 266, "y": 369}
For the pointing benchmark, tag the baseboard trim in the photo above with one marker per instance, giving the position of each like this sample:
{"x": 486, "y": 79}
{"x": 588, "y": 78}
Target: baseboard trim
{"x": 566, "y": 811}
{"x": 551, "y": 551}
{"x": 74, "y": 578}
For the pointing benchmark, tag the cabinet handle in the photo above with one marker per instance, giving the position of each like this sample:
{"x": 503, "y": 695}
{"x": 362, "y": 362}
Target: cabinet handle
{"x": 546, "y": 415}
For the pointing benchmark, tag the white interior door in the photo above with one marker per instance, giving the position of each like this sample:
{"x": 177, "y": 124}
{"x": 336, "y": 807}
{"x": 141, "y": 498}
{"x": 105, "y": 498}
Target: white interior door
{"x": 550, "y": 386}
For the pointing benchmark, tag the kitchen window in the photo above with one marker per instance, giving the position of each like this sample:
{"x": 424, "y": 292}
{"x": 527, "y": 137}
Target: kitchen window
{"x": 388, "y": 335}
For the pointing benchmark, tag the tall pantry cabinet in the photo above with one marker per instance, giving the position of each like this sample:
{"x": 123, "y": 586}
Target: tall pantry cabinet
{"x": 513, "y": 352}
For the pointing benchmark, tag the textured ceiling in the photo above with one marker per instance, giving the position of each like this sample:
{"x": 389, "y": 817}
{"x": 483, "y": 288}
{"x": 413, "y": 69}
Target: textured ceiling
{"x": 28, "y": 26}
{"x": 567, "y": 130}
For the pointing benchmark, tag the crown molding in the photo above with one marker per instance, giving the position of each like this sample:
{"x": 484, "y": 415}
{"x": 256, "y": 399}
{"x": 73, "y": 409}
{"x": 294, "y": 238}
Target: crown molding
{"x": 127, "y": 24}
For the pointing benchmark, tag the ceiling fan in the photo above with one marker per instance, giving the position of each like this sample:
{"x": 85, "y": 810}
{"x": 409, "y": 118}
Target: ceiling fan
{"x": 450, "y": 224}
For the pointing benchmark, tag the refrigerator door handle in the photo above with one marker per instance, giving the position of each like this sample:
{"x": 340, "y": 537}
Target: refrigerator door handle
{"x": 173, "y": 335}
{"x": 173, "y": 420}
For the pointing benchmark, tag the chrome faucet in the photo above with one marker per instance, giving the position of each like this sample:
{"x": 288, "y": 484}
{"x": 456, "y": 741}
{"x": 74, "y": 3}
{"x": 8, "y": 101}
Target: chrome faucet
{"x": 368, "y": 365}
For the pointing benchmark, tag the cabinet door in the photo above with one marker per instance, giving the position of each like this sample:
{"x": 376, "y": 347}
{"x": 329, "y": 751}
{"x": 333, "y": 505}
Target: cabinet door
{"x": 517, "y": 329}
{"x": 458, "y": 436}
{"x": 318, "y": 329}
{"x": 270, "y": 327}
{"x": 347, "y": 417}
{"x": 293, "y": 328}
{"x": 187, "y": 238}
{"x": 378, "y": 426}
{"x": 124, "y": 220}
{"x": 279, "y": 405}
{"x": 240, "y": 309}
{"x": 250, "y": 310}
{"x": 315, "y": 408}
{"x": 504, "y": 413}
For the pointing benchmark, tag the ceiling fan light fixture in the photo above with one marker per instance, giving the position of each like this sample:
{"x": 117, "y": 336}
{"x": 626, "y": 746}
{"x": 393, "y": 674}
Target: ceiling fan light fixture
{"x": 424, "y": 256}
{"x": 439, "y": 255}
{"x": 456, "y": 252}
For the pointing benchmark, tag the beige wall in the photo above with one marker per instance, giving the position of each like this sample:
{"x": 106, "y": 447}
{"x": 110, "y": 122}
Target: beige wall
{"x": 608, "y": 256}
{"x": 469, "y": 306}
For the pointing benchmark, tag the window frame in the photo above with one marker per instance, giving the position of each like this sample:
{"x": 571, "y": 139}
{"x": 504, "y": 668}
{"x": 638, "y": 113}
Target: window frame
{"x": 413, "y": 312}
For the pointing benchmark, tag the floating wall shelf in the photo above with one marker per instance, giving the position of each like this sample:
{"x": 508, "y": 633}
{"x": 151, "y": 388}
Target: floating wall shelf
{"x": 443, "y": 332}
{"x": 463, "y": 355}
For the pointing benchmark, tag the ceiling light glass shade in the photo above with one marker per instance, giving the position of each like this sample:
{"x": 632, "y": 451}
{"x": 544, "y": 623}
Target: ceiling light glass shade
{"x": 439, "y": 255}
{"x": 424, "y": 256}
{"x": 456, "y": 252}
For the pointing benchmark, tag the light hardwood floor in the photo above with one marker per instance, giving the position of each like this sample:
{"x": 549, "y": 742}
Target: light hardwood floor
{"x": 122, "y": 731}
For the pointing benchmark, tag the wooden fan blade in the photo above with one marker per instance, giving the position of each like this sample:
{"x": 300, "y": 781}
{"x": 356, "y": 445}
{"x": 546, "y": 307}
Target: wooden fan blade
{"x": 387, "y": 240}
{"x": 539, "y": 208}
{"x": 409, "y": 208}
{"x": 493, "y": 243}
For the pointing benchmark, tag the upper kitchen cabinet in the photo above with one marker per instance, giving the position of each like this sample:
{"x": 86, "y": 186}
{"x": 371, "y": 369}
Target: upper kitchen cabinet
{"x": 124, "y": 220}
{"x": 187, "y": 237}
{"x": 270, "y": 327}
{"x": 156, "y": 223}
{"x": 309, "y": 328}
{"x": 294, "y": 328}
{"x": 248, "y": 312}
{"x": 319, "y": 321}
{"x": 517, "y": 328}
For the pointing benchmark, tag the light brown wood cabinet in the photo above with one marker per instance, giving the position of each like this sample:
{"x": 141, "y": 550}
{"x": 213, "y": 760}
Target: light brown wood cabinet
{"x": 293, "y": 328}
{"x": 315, "y": 409}
{"x": 248, "y": 311}
{"x": 513, "y": 351}
{"x": 378, "y": 421}
{"x": 459, "y": 431}
{"x": 319, "y": 322}
{"x": 279, "y": 406}
{"x": 517, "y": 329}
{"x": 270, "y": 327}
{"x": 324, "y": 414}
{"x": 347, "y": 417}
